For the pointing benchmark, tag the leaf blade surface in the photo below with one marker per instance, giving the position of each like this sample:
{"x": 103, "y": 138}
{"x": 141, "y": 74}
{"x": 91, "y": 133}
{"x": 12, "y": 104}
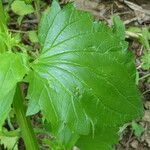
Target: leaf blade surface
{"x": 12, "y": 70}
{"x": 86, "y": 77}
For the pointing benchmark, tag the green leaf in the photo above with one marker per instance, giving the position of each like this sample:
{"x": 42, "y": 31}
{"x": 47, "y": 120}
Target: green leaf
{"x": 104, "y": 138}
{"x": 9, "y": 139}
{"x": 33, "y": 36}
{"x": 9, "y": 142}
{"x": 8, "y": 40}
{"x": 12, "y": 70}
{"x": 144, "y": 38}
{"x": 86, "y": 78}
{"x": 28, "y": 1}
{"x": 46, "y": 21}
{"x": 138, "y": 129}
{"x": 146, "y": 61}
{"x": 119, "y": 28}
{"x": 21, "y": 8}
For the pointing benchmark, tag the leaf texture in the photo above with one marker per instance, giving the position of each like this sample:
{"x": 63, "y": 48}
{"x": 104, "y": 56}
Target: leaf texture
{"x": 12, "y": 70}
{"x": 86, "y": 79}
{"x": 21, "y": 8}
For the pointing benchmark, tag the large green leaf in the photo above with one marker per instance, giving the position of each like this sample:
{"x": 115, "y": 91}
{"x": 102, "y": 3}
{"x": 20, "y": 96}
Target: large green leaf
{"x": 12, "y": 70}
{"x": 86, "y": 79}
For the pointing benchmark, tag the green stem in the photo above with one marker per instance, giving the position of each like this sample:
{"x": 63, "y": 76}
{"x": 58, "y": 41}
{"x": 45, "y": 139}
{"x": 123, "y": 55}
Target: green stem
{"x": 37, "y": 9}
{"x": 9, "y": 123}
{"x": 27, "y": 132}
{"x": 2, "y": 15}
{"x": 147, "y": 75}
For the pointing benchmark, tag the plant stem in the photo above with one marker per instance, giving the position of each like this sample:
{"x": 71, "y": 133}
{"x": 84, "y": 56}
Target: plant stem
{"x": 27, "y": 132}
{"x": 9, "y": 123}
{"x": 145, "y": 76}
{"x": 37, "y": 9}
{"x": 2, "y": 15}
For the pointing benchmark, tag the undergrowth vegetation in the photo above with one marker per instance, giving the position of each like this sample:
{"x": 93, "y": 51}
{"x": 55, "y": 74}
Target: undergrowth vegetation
{"x": 79, "y": 84}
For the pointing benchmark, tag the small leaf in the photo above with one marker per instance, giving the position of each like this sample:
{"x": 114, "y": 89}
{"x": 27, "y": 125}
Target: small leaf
{"x": 33, "y": 36}
{"x": 144, "y": 38}
{"x": 19, "y": 20}
{"x": 138, "y": 129}
{"x": 9, "y": 139}
{"x": 21, "y": 8}
{"x": 146, "y": 61}
{"x": 10, "y": 143}
{"x": 119, "y": 28}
